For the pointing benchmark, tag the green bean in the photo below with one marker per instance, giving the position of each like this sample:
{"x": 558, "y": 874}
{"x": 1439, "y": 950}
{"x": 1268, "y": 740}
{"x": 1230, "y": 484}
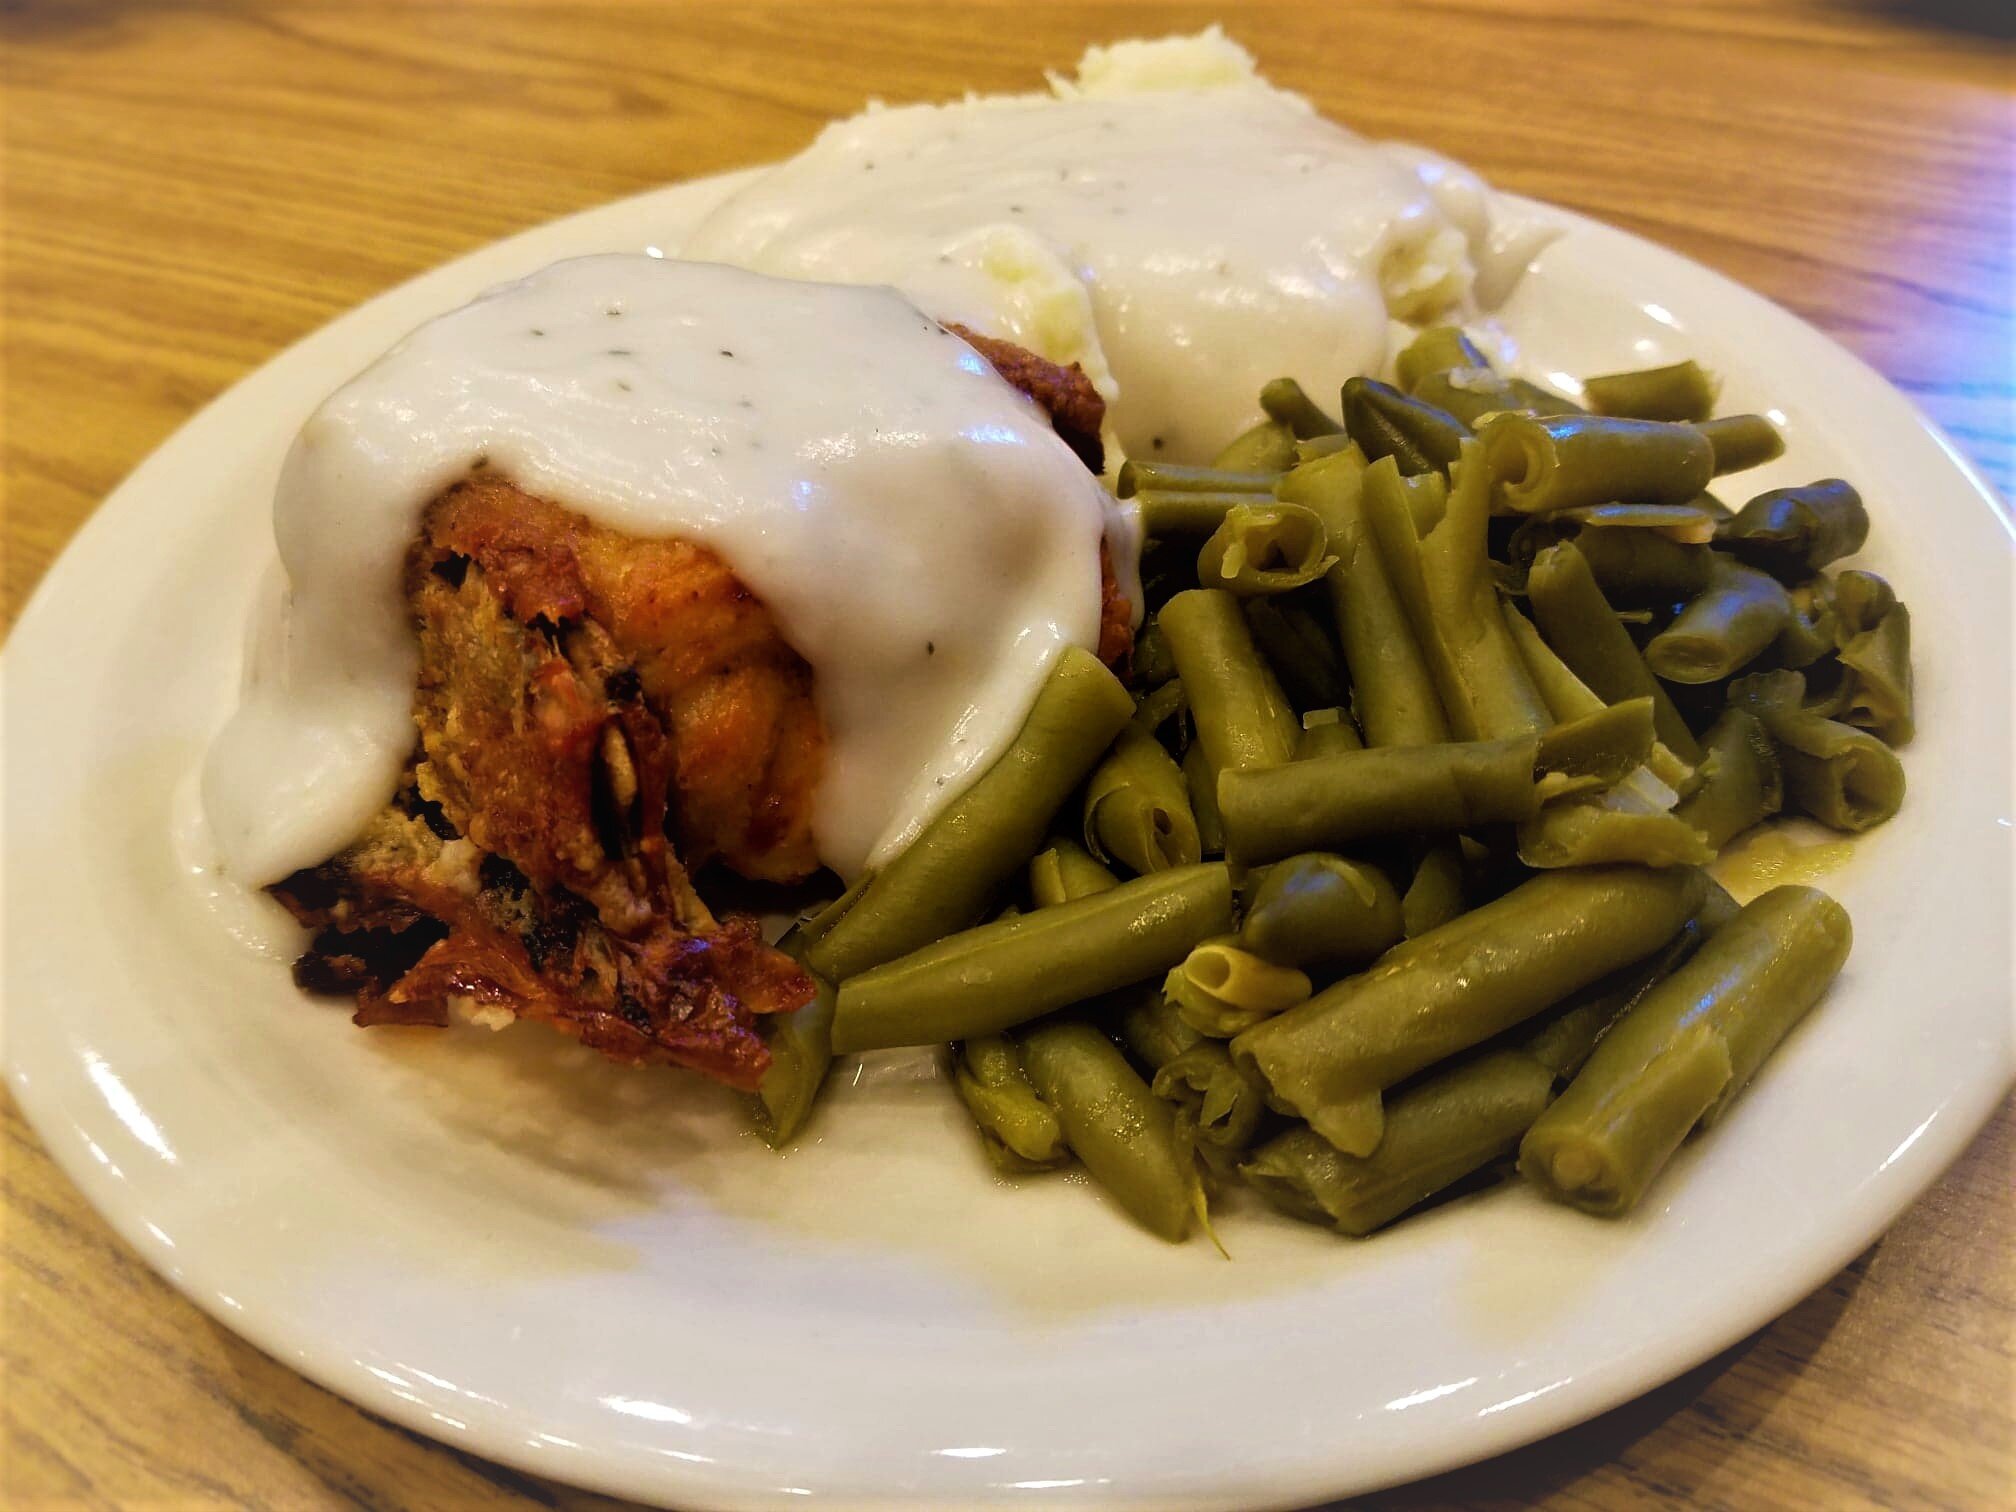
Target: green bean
{"x": 1299, "y": 650}
{"x": 1066, "y": 871}
{"x": 1436, "y": 894}
{"x": 801, "y": 937}
{"x": 1393, "y": 690}
{"x": 1263, "y": 549}
{"x": 1567, "y": 697}
{"x": 1152, "y": 662}
{"x": 1325, "y": 731}
{"x": 1332, "y": 802}
{"x": 1437, "y": 1132}
{"x": 1018, "y": 1132}
{"x": 1542, "y": 401}
{"x": 1605, "y": 830}
{"x": 1174, "y": 477}
{"x": 1284, "y": 400}
{"x": 1219, "y": 989}
{"x": 1125, "y": 1135}
{"x": 1684, "y": 391}
{"x": 1811, "y": 629}
{"x": 1170, "y": 513}
{"x": 1878, "y": 662}
{"x": 1267, "y": 447}
{"x": 1564, "y": 1040}
{"x": 1387, "y": 423}
{"x": 1320, "y": 910}
{"x": 1644, "y": 566}
{"x": 1862, "y": 601}
{"x": 1137, "y": 809}
{"x": 1558, "y": 462}
{"x": 801, "y": 1052}
{"x": 1683, "y": 524}
{"x": 1685, "y": 1050}
{"x": 1718, "y": 911}
{"x": 1843, "y": 776}
{"x": 1741, "y": 781}
{"x": 1149, "y": 1025}
{"x": 1002, "y": 974}
{"x": 1201, "y": 778}
{"x": 1444, "y": 582}
{"x": 1598, "y": 750}
{"x": 1723, "y": 628}
{"x": 943, "y": 879}
{"x": 1470, "y": 393}
{"x": 1330, "y": 1058}
{"x": 1243, "y": 718}
{"x": 1792, "y": 533}
{"x": 1427, "y": 496}
{"x": 1742, "y": 442}
{"x": 1309, "y": 449}
{"x": 1159, "y": 705}
{"x": 1436, "y": 350}
{"x": 1217, "y": 1101}
{"x": 1583, "y": 629}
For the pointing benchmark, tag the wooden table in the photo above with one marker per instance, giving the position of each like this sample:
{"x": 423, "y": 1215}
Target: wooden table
{"x": 190, "y": 189}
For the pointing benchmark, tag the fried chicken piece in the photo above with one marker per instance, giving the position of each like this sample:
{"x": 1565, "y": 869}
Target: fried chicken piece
{"x": 597, "y": 713}
{"x": 1076, "y": 411}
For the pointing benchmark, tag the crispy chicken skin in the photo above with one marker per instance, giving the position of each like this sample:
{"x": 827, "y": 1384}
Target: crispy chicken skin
{"x": 596, "y": 714}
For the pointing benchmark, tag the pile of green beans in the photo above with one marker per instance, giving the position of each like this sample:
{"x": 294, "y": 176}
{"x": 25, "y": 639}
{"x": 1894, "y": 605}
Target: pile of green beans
{"x": 1384, "y": 867}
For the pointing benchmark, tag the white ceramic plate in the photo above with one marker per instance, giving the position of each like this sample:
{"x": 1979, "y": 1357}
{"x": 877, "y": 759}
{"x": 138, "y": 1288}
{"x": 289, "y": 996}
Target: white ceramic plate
{"x": 595, "y": 1275}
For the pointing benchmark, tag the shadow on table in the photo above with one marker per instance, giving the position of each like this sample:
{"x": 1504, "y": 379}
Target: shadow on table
{"x": 1978, "y": 18}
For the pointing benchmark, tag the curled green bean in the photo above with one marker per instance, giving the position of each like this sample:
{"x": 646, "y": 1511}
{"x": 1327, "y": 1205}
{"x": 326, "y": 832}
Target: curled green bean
{"x": 1219, "y": 989}
{"x": 1811, "y": 629}
{"x": 1124, "y": 1134}
{"x": 1332, "y": 802}
{"x": 1330, "y": 1058}
{"x": 1321, "y": 910}
{"x": 1724, "y": 628}
{"x": 1066, "y": 871}
{"x": 1437, "y": 1132}
{"x": 1137, "y": 807}
{"x": 1741, "y": 781}
{"x": 1543, "y": 464}
{"x": 1017, "y": 1130}
{"x": 1792, "y": 533}
{"x": 1685, "y": 1051}
{"x": 1387, "y": 423}
{"x": 1741, "y": 442}
{"x": 1005, "y": 973}
{"x": 1878, "y": 663}
{"x": 1683, "y": 391}
{"x": 1219, "y": 1103}
{"x": 1242, "y": 716}
{"x": 944, "y": 878}
{"x": 1843, "y": 776}
{"x": 1265, "y": 549}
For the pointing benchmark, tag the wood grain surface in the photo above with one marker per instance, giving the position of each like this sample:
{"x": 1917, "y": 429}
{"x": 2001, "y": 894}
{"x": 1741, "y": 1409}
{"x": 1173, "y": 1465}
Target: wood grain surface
{"x": 188, "y": 188}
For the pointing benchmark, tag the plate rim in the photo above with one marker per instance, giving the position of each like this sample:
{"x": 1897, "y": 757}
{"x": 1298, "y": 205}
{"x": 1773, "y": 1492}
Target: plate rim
{"x": 1602, "y": 1385}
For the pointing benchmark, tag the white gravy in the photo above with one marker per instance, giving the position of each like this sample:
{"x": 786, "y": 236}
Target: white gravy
{"x": 1180, "y": 227}
{"x": 922, "y": 535}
